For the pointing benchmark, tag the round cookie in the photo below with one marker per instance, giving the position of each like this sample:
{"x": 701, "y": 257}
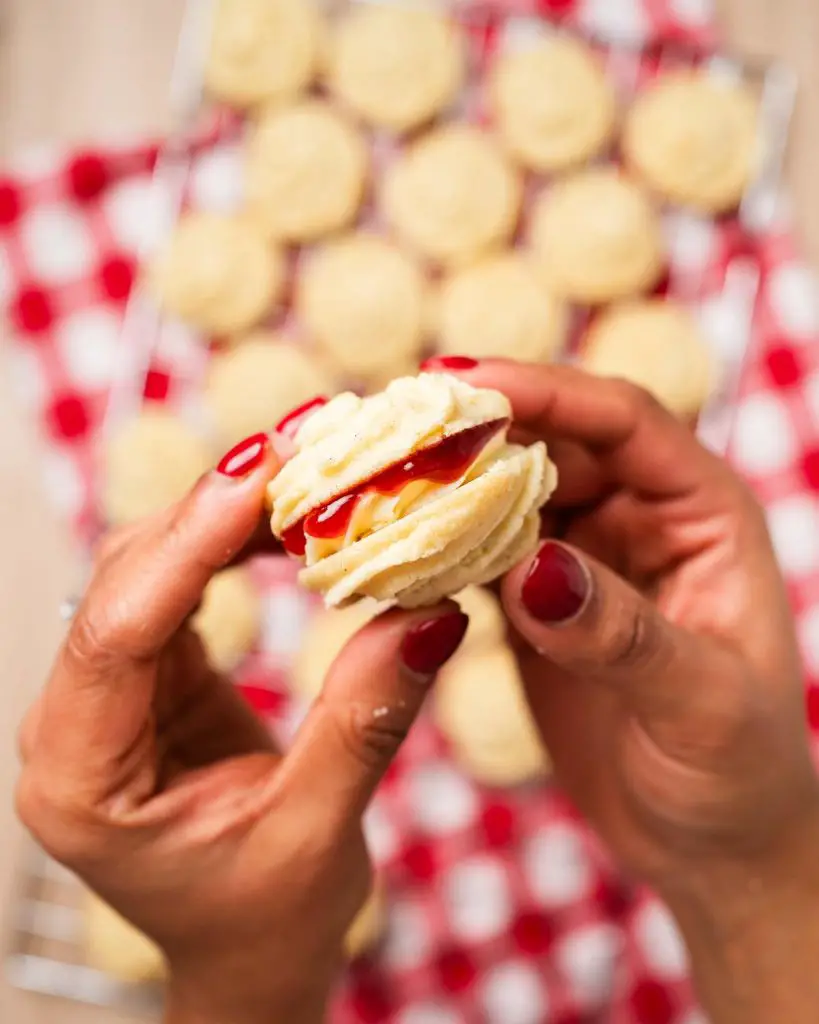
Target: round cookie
{"x": 263, "y": 51}
{"x": 307, "y": 167}
{"x": 487, "y": 625}
{"x": 596, "y": 238}
{"x": 552, "y": 104}
{"x": 368, "y": 926}
{"x": 326, "y": 635}
{"x": 396, "y": 67}
{"x": 151, "y": 462}
{"x": 218, "y": 274}
{"x": 363, "y": 301}
{"x": 693, "y": 139}
{"x": 657, "y": 345}
{"x": 114, "y": 946}
{"x": 499, "y": 307}
{"x": 228, "y": 619}
{"x": 253, "y": 385}
{"x": 453, "y": 195}
{"x": 481, "y": 710}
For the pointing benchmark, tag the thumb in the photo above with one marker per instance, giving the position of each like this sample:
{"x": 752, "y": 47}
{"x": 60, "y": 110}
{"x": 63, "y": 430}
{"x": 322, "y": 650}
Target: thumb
{"x": 588, "y": 621}
{"x": 371, "y": 697}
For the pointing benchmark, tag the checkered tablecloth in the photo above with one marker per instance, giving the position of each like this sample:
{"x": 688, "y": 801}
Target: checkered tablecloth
{"x": 503, "y": 908}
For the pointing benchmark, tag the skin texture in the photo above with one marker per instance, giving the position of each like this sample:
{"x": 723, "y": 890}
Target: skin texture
{"x": 671, "y": 704}
{"x": 145, "y": 772}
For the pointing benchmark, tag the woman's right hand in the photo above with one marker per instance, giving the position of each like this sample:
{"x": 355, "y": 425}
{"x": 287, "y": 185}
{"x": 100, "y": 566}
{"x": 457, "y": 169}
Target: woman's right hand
{"x": 660, "y": 660}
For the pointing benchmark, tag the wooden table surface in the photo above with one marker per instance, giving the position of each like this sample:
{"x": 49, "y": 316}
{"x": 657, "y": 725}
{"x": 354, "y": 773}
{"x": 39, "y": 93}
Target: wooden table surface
{"x": 83, "y": 69}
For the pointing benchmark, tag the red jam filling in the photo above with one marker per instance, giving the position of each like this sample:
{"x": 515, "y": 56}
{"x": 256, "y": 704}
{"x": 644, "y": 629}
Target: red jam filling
{"x": 441, "y": 463}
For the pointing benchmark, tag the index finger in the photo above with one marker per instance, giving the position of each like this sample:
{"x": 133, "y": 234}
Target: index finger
{"x": 640, "y": 444}
{"x": 96, "y": 720}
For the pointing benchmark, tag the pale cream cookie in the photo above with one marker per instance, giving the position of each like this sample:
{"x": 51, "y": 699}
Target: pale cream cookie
{"x": 396, "y": 66}
{"x": 326, "y": 635}
{"x": 409, "y": 495}
{"x": 253, "y": 385}
{"x": 694, "y": 139}
{"x": 367, "y": 928}
{"x": 263, "y": 51}
{"x": 364, "y": 302}
{"x": 149, "y": 463}
{"x": 218, "y": 274}
{"x": 655, "y": 344}
{"x": 480, "y": 707}
{"x": 116, "y": 947}
{"x": 228, "y": 620}
{"x": 487, "y": 625}
{"x": 552, "y": 103}
{"x": 499, "y": 307}
{"x": 453, "y": 195}
{"x": 330, "y": 629}
{"x": 307, "y": 168}
{"x": 596, "y": 238}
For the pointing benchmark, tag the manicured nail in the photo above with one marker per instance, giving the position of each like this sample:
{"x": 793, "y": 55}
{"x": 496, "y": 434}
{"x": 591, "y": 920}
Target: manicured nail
{"x": 557, "y": 585}
{"x": 429, "y": 644}
{"x": 294, "y": 419}
{"x": 245, "y": 457}
{"x": 449, "y": 363}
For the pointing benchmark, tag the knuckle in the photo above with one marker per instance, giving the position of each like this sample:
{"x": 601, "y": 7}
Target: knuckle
{"x": 374, "y": 735}
{"x": 640, "y": 399}
{"x": 96, "y": 637}
{"x": 53, "y": 820}
{"x": 631, "y": 641}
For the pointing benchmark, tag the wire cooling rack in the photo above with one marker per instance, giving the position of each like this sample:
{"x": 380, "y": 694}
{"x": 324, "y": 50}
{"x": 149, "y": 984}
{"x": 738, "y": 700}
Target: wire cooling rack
{"x": 46, "y": 949}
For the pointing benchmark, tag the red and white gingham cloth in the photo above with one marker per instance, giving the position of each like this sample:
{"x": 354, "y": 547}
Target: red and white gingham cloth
{"x": 503, "y": 908}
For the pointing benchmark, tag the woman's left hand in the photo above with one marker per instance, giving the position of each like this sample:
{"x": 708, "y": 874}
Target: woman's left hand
{"x": 146, "y": 774}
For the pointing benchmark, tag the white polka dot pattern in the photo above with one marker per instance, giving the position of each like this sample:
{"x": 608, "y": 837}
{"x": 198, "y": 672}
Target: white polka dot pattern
{"x": 89, "y": 346}
{"x": 794, "y": 526}
{"x": 556, "y": 866}
{"x": 478, "y": 899}
{"x": 59, "y": 246}
{"x": 443, "y": 800}
{"x": 661, "y": 943}
{"x": 764, "y": 440}
{"x": 513, "y": 993}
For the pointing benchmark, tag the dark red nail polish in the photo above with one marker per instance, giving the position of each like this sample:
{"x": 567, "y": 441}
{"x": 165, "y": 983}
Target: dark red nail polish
{"x": 290, "y": 423}
{"x": 429, "y": 644}
{"x": 449, "y": 363}
{"x": 556, "y": 586}
{"x": 245, "y": 457}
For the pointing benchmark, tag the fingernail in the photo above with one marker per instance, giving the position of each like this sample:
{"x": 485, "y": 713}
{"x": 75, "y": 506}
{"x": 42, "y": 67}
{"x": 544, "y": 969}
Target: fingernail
{"x": 429, "y": 644}
{"x": 245, "y": 457}
{"x": 290, "y": 423}
{"x": 449, "y": 363}
{"x": 557, "y": 585}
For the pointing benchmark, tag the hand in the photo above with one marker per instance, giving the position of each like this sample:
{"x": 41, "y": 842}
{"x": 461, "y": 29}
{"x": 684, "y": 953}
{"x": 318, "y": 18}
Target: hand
{"x": 146, "y": 773}
{"x": 659, "y": 657}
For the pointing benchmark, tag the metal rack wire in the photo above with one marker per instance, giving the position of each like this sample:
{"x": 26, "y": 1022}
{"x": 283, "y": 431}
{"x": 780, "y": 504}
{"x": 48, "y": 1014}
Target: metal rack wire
{"x": 46, "y": 948}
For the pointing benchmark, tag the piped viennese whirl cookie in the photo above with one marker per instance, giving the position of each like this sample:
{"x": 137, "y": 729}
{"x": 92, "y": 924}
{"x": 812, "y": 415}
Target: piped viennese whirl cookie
{"x": 552, "y": 103}
{"x": 499, "y": 307}
{"x": 396, "y": 66}
{"x": 409, "y": 495}
{"x": 658, "y": 345}
{"x": 693, "y": 138}
{"x": 453, "y": 195}
{"x": 596, "y": 238}
{"x": 217, "y": 273}
{"x": 307, "y": 168}
{"x": 263, "y": 50}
